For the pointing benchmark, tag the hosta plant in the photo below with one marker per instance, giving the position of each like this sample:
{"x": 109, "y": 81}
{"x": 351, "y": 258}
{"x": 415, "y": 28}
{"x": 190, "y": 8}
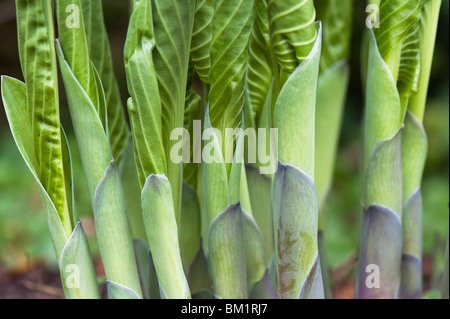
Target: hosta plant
{"x": 217, "y": 187}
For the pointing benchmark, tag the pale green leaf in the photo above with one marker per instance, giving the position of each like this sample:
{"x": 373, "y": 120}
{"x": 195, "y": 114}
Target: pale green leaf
{"x": 414, "y": 155}
{"x": 296, "y": 210}
{"x": 14, "y": 100}
{"x": 331, "y": 95}
{"x": 383, "y": 179}
{"x": 295, "y": 113}
{"x": 258, "y": 187}
{"x": 118, "y": 291}
{"x": 77, "y": 270}
{"x": 100, "y": 54}
{"x": 254, "y": 248}
{"x": 162, "y": 235}
{"x": 198, "y": 275}
{"x": 189, "y": 225}
{"x": 227, "y": 254}
{"x": 383, "y": 111}
{"x": 132, "y": 192}
{"x": 113, "y": 233}
{"x": 92, "y": 141}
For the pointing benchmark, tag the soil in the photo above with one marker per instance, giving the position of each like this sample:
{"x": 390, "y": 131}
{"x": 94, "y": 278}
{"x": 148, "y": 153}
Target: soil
{"x": 41, "y": 282}
{"x": 37, "y": 282}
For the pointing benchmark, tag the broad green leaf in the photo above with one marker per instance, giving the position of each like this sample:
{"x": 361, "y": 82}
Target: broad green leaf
{"x": 295, "y": 213}
{"x": 38, "y": 60}
{"x": 396, "y": 18}
{"x": 295, "y": 115}
{"x": 380, "y": 253}
{"x": 383, "y": 111}
{"x": 173, "y": 23}
{"x": 232, "y": 24}
{"x": 77, "y": 272}
{"x": 144, "y": 106}
{"x": 383, "y": 179}
{"x": 260, "y": 73}
{"x": 201, "y": 38}
{"x": 227, "y": 254}
{"x": 259, "y": 186}
{"x": 162, "y": 235}
{"x": 189, "y": 225}
{"x": 100, "y": 54}
{"x": 331, "y": 94}
{"x": 292, "y": 31}
{"x": 113, "y": 233}
{"x": 428, "y": 29}
{"x": 336, "y": 17}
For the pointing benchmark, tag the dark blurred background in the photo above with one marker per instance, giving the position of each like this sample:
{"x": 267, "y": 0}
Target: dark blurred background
{"x": 24, "y": 239}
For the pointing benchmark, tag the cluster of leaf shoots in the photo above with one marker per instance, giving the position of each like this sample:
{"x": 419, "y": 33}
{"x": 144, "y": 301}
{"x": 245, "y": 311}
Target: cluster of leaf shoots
{"x": 219, "y": 229}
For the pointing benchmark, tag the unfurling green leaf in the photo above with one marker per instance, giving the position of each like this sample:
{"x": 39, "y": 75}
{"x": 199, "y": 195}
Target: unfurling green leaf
{"x": 38, "y": 61}
{"x": 336, "y": 17}
{"x": 201, "y": 38}
{"x": 260, "y": 73}
{"x": 232, "y": 24}
{"x": 292, "y": 31}
{"x": 397, "y": 17}
{"x": 144, "y": 106}
{"x": 409, "y": 72}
